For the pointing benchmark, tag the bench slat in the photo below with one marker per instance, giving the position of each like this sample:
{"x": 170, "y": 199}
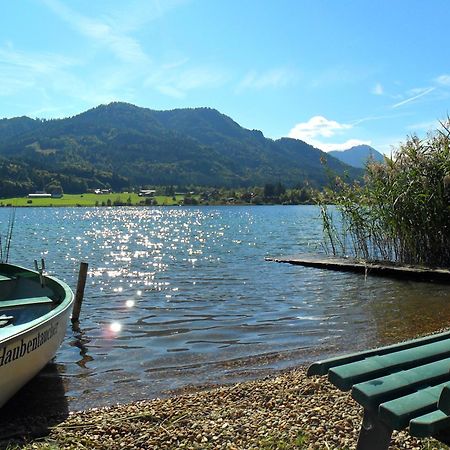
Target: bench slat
{"x": 397, "y": 413}
{"x": 371, "y": 394}
{"x": 25, "y": 301}
{"x": 322, "y": 367}
{"x": 344, "y": 377}
{"x": 429, "y": 424}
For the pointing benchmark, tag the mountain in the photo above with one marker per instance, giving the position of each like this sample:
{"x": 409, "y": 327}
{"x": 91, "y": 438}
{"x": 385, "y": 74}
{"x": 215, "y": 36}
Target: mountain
{"x": 358, "y": 156}
{"x": 121, "y": 145}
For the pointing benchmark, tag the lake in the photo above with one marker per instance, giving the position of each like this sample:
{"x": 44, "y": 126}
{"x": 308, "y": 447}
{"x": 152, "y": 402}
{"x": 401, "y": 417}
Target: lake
{"x": 179, "y": 297}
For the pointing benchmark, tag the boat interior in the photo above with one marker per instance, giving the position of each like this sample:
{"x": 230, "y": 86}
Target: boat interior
{"x": 24, "y": 296}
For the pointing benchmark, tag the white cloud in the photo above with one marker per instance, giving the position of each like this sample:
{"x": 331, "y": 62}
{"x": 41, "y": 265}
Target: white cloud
{"x": 53, "y": 77}
{"x": 438, "y": 87}
{"x": 326, "y": 147}
{"x": 443, "y": 80}
{"x": 378, "y": 89}
{"x": 321, "y": 127}
{"x": 52, "y": 111}
{"x": 175, "y": 64}
{"x": 414, "y": 95}
{"x": 21, "y": 70}
{"x": 274, "y": 78}
{"x": 63, "y": 85}
{"x": 170, "y": 91}
{"x": 199, "y": 77}
{"x": 424, "y": 126}
{"x": 176, "y": 82}
{"x": 317, "y": 126}
{"x": 43, "y": 63}
{"x": 382, "y": 117}
{"x": 134, "y": 14}
{"x": 109, "y": 35}
{"x": 114, "y": 32}
{"x": 10, "y": 85}
{"x": 340, "y": 75}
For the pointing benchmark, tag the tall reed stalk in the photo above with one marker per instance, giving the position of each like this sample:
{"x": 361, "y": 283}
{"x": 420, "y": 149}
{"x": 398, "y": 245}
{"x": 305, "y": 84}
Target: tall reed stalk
{"x": 401, "y": 213}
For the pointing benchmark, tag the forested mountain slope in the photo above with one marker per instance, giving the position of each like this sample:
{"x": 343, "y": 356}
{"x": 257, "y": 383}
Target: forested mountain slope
{"x": 121, "y": 145}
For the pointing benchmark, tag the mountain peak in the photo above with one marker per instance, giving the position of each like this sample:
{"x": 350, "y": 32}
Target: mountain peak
{"x": 358, "y": 155}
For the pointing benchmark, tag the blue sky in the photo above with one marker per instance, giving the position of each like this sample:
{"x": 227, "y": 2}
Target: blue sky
{"x": 333, "y": 73}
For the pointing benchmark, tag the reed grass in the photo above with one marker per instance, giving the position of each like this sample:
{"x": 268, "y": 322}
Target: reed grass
{"x": 401, "y": 212}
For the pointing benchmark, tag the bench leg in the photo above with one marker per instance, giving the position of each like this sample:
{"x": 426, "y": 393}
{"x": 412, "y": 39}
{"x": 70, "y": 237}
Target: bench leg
{"x": 374, "y": 434}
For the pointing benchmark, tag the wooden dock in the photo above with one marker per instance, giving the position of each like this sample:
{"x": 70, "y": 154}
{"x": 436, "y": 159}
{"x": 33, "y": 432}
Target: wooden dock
{"x": 378, "y": 268}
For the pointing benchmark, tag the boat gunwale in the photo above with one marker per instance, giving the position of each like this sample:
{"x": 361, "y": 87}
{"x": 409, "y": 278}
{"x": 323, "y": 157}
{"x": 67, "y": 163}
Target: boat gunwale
{"x": 66, "y": 302}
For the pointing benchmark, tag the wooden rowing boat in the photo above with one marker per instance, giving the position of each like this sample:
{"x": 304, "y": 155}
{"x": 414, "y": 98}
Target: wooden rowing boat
{"x": 34, "y": 312}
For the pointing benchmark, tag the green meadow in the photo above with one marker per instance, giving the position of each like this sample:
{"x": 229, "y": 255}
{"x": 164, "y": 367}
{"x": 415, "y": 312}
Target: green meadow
{"x": 92, "y": 200}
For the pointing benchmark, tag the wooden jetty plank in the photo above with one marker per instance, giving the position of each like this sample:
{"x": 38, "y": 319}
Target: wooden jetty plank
{"x": 379, "y": 268}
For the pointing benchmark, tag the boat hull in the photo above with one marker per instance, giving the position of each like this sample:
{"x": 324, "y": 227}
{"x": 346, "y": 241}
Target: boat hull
{"x": 31, "y": 346}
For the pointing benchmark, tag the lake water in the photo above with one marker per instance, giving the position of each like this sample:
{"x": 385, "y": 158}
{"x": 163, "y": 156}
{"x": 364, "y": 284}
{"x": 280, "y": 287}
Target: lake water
{"x": 182, "y": 296}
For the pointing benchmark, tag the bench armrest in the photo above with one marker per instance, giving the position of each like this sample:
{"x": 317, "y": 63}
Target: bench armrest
{"x": 444, "y": 400}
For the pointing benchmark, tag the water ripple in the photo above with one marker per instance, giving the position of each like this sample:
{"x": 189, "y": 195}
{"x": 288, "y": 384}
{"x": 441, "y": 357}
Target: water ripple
{"x": 180, "y": 296}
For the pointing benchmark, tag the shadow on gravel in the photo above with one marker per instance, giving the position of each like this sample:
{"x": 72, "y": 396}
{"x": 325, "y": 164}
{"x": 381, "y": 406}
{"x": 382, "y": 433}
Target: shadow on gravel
{"x": 39, "y": 405}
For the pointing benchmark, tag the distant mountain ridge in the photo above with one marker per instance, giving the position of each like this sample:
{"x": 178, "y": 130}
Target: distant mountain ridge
{"x": 358, "y": 156}
{"x": 122, "y": 145}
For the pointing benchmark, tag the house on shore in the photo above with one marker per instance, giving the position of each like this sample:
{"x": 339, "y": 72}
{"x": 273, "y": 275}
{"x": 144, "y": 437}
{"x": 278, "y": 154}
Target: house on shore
{"x": 41, "y": 194}
{"x": 147, "y": 193}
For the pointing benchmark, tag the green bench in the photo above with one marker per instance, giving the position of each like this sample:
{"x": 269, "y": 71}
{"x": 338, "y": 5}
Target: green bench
{"x": 399, "y": 386}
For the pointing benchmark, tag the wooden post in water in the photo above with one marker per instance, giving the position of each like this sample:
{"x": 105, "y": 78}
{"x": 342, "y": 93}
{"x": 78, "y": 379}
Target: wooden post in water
{"x": 80, "y": 291}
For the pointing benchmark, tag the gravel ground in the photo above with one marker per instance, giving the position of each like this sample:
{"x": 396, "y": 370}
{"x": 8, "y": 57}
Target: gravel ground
{"x": 289, "y": 411}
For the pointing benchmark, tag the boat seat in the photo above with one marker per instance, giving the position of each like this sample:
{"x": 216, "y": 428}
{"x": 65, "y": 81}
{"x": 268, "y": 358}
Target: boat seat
{"x": 25, "y": 302}
{"x": 6, "y": 320}
{"x": 5, "y": 278}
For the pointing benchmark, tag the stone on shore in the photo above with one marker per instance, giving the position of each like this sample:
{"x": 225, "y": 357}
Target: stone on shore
{"x": 289, "y": 411}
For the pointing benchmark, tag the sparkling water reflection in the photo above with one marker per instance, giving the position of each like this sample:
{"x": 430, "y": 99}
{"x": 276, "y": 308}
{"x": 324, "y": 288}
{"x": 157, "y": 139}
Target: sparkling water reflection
{"x": 180, "y": 296}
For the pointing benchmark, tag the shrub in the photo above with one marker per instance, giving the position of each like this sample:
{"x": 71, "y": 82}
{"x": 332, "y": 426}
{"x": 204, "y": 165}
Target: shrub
{"x": 402, "y": 211}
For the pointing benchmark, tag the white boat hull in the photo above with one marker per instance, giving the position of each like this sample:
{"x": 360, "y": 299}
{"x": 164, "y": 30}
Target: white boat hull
{"x": 30, "y": 346}
{"x": 23, "y": 357}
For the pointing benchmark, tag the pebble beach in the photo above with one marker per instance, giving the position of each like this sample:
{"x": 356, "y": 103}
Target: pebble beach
{"x": 287, "y": 411}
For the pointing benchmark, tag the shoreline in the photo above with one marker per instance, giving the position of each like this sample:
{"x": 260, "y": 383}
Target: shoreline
{"x": 285, "y": 411}
{"x": 199, "y": 205}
